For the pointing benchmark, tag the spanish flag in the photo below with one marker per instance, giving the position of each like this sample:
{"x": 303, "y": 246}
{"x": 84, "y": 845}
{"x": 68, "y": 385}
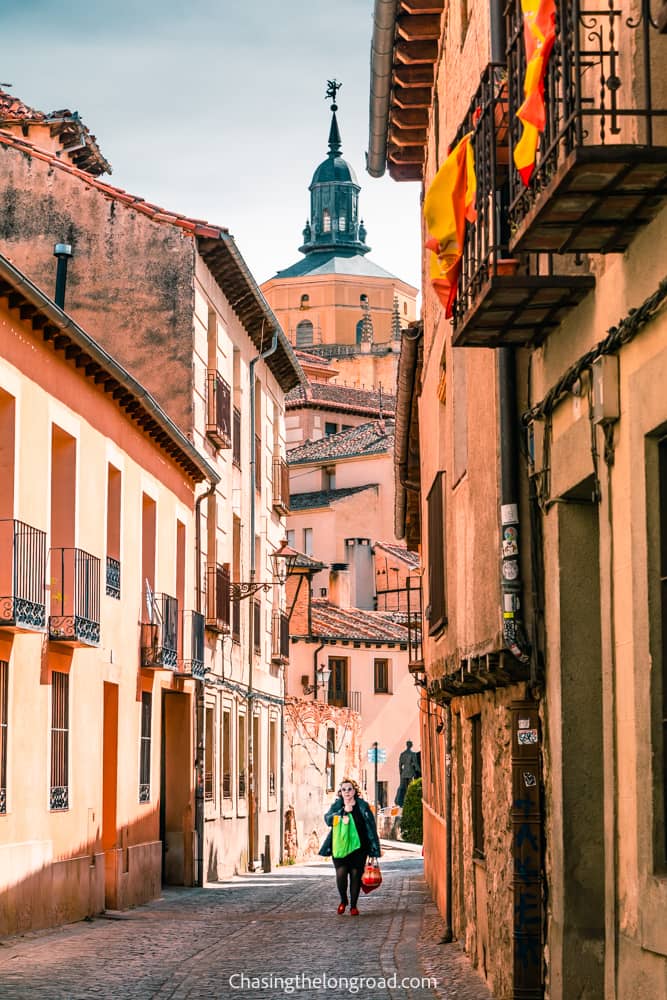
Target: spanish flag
{"x": 449, "y": 201}
{"x": 539, "y": 32}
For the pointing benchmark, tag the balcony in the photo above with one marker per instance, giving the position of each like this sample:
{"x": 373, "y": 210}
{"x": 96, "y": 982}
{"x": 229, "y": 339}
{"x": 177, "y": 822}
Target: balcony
{"x": 601, "y": 168}
{"x": 504, "y": 300}
{"x": 218, "y": 593}
{"x": 218, "y": 410}
{"x": 22, "y": 576}
{"x": 113, "y": 578}
{"x": 159, "y": 636}
{"x": 191, "y": 661}
{"x": 75, "y": 597}
{"x": 279, "y": 637}
{"x": 280, "y": 486}
{"x": 414, "y": 624}
{"x": 345, "y": 699}
{"x": 236, "y": 437}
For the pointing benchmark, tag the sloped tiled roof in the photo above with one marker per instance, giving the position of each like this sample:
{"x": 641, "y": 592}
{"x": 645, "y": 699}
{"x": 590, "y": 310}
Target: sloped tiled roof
{"x": 324, "y": 498}
{"x": 400, "y": 552}
{"x": 374, "y": 438}
{"x": 344, "y": 398}
{"x": 331, "y": 622}
{"x": 331, "y": 262}
{"x": 217, "y": 248}
{"x": 75, "y": 137}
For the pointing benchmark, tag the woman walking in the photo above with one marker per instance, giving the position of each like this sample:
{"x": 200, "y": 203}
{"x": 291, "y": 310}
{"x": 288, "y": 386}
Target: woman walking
{"x": 351, "y": 840}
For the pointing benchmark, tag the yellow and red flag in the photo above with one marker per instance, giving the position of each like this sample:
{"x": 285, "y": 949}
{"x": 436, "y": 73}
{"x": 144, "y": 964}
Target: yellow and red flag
{"x": 539, "y": 32}
{"x": 449, "y": 201}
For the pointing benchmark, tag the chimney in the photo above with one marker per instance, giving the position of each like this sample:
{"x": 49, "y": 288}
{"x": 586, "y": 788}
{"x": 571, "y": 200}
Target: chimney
{"x": 63, "y": 252}
{"x": 359, "y": 552}
{"x": 339, "y": 585}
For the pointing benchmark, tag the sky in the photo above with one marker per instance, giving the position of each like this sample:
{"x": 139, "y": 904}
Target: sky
{"x": 216, "y": 109}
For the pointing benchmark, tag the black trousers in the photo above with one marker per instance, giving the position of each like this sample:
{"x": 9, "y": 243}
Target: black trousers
{"x": 350, "y": 869}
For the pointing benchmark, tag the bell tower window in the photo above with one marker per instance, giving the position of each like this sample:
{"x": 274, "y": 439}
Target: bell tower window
{"x": 326, "y": 221}
{"x": 342, "y": 223}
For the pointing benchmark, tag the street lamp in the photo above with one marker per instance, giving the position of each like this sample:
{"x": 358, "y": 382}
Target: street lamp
{"x": 283, "y": 561}
{"x": 322, "y": 674}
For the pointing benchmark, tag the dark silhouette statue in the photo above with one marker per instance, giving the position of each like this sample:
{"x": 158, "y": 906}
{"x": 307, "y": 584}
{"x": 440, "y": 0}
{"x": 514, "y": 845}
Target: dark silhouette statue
{"x": 409, "y": 768}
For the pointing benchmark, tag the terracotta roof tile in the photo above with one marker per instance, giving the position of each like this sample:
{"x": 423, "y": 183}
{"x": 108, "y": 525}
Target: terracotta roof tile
{"x": 332, "y": 622}
{"x": 324, "y": 498}
{"x": 374, "y": 438}
{"x": 344, "y": 398}
{"x": 400, "y": 552}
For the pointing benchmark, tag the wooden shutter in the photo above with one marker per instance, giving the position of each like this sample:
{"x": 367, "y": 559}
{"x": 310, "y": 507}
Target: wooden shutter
{"x": 436, "y": 555}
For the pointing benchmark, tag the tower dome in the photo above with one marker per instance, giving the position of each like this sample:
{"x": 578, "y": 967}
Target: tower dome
{"x": 334, "y": 200}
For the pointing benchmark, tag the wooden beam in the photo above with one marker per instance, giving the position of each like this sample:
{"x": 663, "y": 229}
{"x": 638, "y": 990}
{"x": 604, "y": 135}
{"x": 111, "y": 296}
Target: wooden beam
{"x": 14, "y": 300}
{"x": 27, "y": 310}
{"x": 110, "y": 384}
{"x": 407, "y": 154}
{"x": 410, "y": 53}
{"x": 412, "y": 97}
{"x": 49, "y": 331}
{"x": 61, "y": 341}
{"x": 73, "y": 351}
{"x": 38, "y": 321}
{"x": 420, "y": 75}
{"x": 423, "y": 6}
{"x": 418, "y": 27}
{"x": 405, "y": 118}
{"x": 92, "y": 369}
{"x": 82, "y": 360}
{"x": 410, "y": 138}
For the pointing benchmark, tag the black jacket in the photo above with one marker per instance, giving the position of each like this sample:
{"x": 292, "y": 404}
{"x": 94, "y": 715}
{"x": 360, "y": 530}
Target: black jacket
{"x": 337, "y": 809}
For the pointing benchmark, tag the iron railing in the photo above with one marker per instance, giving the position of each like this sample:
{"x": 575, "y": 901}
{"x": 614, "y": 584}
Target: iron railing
{"x": 272, "y": 783}
{"x": 159, "y": 636}
{"x": 218, "y": 410}
{"x": 113, "y": 578}
{"x": 22, "y": 575}
{"x": 281, "y": 485}
{"x": 191, "y": 660}
{"x": 598, "y": 89}
{"x": 242, "y": 784}
{"x": 218, "y": 597}
{"x": 75, "y": 597}
{"x": 342, "y": 698}
{"x": 280, "y": 637}
{"x": 236, "y": 437}
{"x": 226, "y": 784}
{"x": 414, "y": 625}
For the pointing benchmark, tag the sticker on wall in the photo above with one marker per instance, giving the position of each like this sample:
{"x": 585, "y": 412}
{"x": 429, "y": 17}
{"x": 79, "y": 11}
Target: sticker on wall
{"x": 529, "y": 779}
{"x": 509, "y": 513}
{"x": 510, "y": 569}
{"x": 527, "y": 737}
{"x": 510, "y": 542}
{"x": 524, "y": 723}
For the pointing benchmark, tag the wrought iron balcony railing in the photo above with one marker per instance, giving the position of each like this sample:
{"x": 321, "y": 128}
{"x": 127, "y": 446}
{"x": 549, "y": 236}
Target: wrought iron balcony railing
{"x": 218, "y": 596}
{"x": 281, "y": 485}
{"x": 159, "y": 635}
{"x": 236, "y": 437}
{"x": 242, "y": 784}
{"x": 601, "y": 167}
{"x": 75, "y": 597}
{"x": 501, "y": 299}
{"x": 279, "y": 637}
{"x": 22, "y": 576}
{"x": 113, "y": 578}
{"x": 414, "y": 623}
{"x": 218, "y": 410}
{"x": 345, "y": 699}
{"x": 191, "y": 660}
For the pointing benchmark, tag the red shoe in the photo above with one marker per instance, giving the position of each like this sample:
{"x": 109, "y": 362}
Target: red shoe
{"x": 354, "y": 912}
{"x": 341, "y": 908}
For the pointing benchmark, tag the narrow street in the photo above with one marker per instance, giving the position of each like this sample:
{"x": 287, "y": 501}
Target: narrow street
{"x": 259, "y": 936}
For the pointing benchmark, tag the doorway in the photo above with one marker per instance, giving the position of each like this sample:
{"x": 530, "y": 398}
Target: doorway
{"x": 110, "y": 794}
{"x": 176, "y": 790}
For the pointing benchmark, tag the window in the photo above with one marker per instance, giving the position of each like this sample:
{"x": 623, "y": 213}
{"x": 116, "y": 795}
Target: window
{"x": 437, "y": 615}
{"x": 209, "y": 754}
{"x": 342, "y": 223}
{"x": 241, "y": 757}
{"x": 477, "y": 801}
{"x": 145, "y": 747}
{"x": 4, "y": 717}
{"x": 7, "y": 457}
{"x": 330, "y": 428}
{"x": 59, "y": 798}
{"x": 226, "y": 754}
{"x": 113, "y": 532}
{"x": 273, "y": 755}
{"x": 308, "y": 541}
{"x": 360, "y": 331}
{"x": 381, "y": 671}
{"x": 326, "y": 221}
{"x": 382, "y": 793}
{"x": 329, "y": 478}
{"x": 304, "y": 333}
{"x": 291, "y": 537}
{"x": 662, "y": 617}
{"x": 331, "y": 759}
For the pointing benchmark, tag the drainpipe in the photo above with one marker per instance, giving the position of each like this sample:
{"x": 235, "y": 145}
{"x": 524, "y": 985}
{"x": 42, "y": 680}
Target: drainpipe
{"x": 199, "y": 723}
{"x": 382, "y": 46}
{"x": 319, "y": 648}
{"x": 511, "y": 584}
{"x": 252, "y": 819}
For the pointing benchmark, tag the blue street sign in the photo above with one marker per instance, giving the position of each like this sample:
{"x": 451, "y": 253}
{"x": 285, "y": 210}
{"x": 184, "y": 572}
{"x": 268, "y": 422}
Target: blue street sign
{"x": 376, "y": 755}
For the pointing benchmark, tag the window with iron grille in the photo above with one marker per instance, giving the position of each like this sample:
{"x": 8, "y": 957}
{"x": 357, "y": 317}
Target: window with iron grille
{"x": 477, "y": 798}
{"x": 59, "y": 796}
{"x": 219, "y": 410}
{"x": 4, "y": 697}
{"x": 145, "y": 747}
{"x": 381, "y": 671}
{"x": 209, "y": 754}
{"x": 436, "y": 555}
{"x": 226, "y": 754}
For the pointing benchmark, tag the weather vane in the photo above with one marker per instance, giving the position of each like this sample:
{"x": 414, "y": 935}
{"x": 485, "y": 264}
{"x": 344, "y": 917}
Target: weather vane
{"x": 333, "y": 86}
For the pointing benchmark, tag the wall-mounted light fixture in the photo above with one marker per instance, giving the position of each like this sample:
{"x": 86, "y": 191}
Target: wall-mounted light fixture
{"x": 323, "y": 673}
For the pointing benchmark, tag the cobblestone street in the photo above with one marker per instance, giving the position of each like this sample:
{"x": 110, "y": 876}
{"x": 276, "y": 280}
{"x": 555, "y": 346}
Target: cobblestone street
{"x": 255, "y": 936}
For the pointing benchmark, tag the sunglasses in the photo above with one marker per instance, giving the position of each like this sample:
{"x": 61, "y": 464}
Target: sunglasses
{"x": 347, "y": 788}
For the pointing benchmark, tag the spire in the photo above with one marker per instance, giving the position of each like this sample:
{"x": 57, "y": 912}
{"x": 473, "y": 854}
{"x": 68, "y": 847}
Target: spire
{"x": 395, "y": 321}
{"x": 334, "y": 134}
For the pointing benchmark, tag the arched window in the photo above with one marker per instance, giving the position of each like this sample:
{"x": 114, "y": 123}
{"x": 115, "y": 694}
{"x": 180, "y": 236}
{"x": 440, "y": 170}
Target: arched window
{"x": 342, "y": 223}
{"x": 326, "y": 221}
{"x": 304, "y": 333}
{"x": 360, "y": 330}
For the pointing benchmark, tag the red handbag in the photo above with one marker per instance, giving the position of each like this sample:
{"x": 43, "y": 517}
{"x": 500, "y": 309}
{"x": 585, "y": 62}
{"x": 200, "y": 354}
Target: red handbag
{"x": 372, "y": 877}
